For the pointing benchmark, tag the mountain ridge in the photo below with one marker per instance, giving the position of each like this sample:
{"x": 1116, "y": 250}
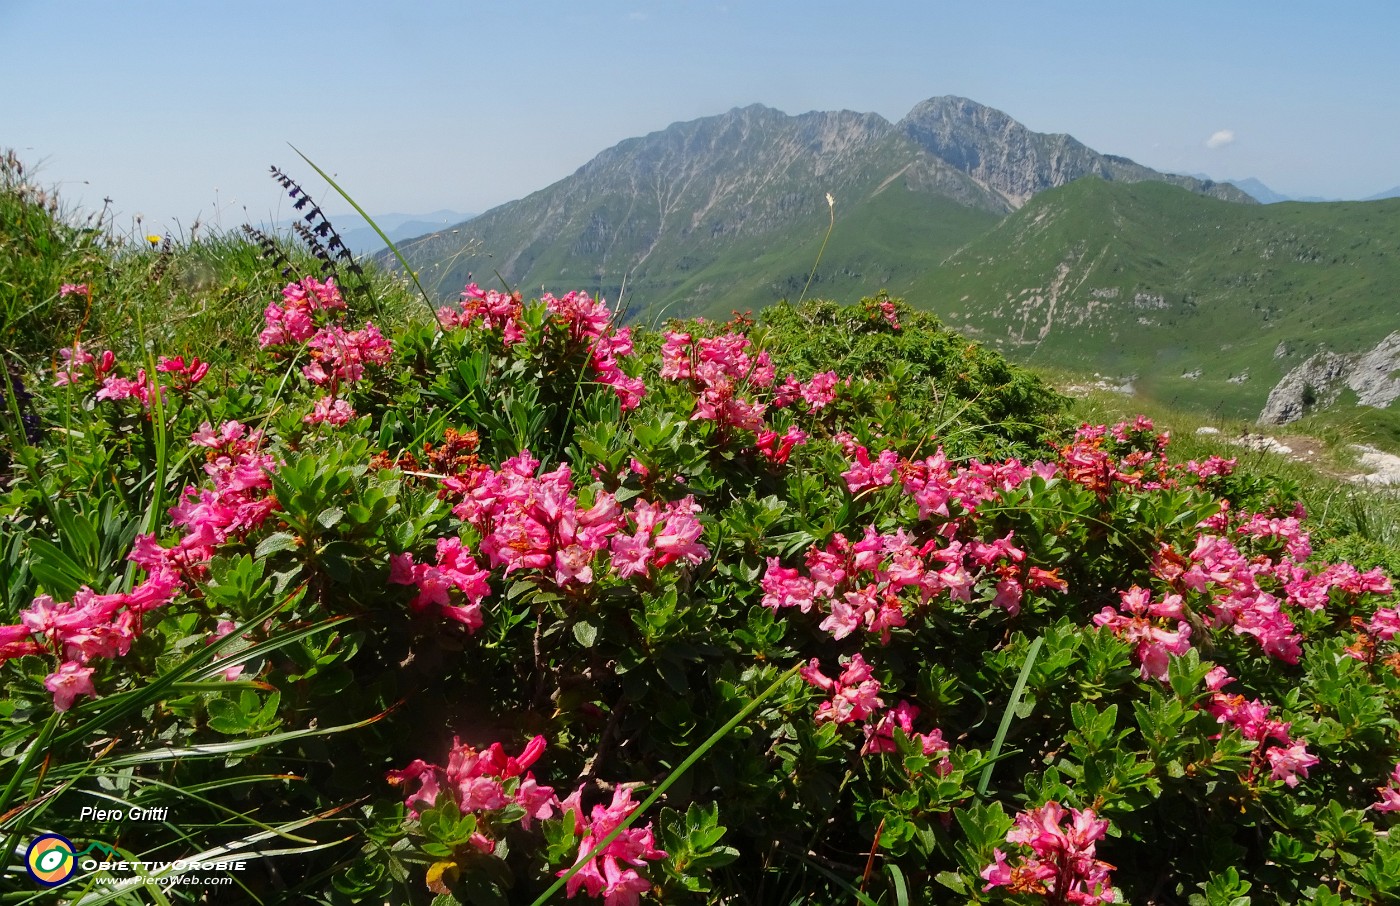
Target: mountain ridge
{"x": 727, "y": 211}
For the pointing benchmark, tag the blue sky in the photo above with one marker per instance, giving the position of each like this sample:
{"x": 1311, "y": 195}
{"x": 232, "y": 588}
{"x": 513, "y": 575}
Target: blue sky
{"x": 176, "y": 109}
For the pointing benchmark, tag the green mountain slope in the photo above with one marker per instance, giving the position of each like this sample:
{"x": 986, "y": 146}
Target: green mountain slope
{"x": 1205, "y": 302}
{"x": 724, "y": 212}
{"x": 729, "y": 212}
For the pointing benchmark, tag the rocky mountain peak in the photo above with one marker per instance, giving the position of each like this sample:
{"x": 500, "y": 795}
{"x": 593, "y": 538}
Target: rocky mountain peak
{"x": 1018, "y": 163}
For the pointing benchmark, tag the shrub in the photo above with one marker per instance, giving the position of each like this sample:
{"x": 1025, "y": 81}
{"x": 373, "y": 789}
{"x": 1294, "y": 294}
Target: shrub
{"x": 527, "y": 606}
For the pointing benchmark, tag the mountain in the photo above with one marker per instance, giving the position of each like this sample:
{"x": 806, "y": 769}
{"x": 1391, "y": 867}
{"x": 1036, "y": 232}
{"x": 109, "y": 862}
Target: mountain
{"x": 1388, "y": 193}
{"x": 1258, "y": 191}
{"x": 730, "y": 211}
{"x": 1015, "y": 162}
{"x": 361, "y": 239}
{"x": 1205, "y": 303}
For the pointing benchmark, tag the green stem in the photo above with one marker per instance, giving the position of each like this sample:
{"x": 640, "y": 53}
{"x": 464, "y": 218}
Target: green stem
{"x": 832, "y": 208}
{"x": 666, "y": 784}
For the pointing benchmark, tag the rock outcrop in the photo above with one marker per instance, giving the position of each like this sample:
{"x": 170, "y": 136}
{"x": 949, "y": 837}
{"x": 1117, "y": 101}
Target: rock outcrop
{"x": 1319, "y": 381}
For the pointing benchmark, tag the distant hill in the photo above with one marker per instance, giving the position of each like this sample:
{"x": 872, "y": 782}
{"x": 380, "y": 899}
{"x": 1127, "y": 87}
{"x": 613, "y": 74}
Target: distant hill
{"x": 1258, "y": 191}
{"x": 1202, "y": 301}
{"x": 1388, "y": 193}
{"x": 361, "y": 239}
{"x": 730, "y": 211}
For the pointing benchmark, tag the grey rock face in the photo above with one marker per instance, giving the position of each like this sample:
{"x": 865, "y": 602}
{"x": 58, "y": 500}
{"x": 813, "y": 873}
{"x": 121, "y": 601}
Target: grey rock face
{"x": 1015, "y": 162}
{"x": 1319, "y": 381}
{"x": 1373, "y": 378}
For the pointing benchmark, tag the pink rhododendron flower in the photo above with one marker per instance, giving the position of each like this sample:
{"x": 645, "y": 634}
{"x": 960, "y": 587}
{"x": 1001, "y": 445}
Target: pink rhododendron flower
{"x": 16, "y": 641}
{"x": 604, "y": 875}
{"x": 1141, "y": 621}
{"x": 1062, "y": 863}
{"x": 67, "y": 683}
{"x": 1390, "y": 794}
{"x": 73, "y": 362}
{"x": 294, "y": 320}
{"x": 185, "y": 375}
{"x": 879, "y": 735}
{"x": 477, "y": 781}
{"x": 784, "y": 587}
{"x": 865, "y": 473}
{"x": 223, "y": 628}
{"x": 454, "y": 569}
{"x": 496, "y": 312}
{"x": 855, "y": 694}
{"x": 1384, "y": 624}
{"x": 777, "y": 448}
{"x": 1287, "y": 763}
{"x": 334, "y": 412}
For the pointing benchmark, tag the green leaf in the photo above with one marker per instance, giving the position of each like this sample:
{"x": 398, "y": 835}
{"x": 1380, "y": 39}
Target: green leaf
{"x": 330, "y": 516}
{"x": 586, "y": 633}
{"x": 952, "y": 880}
{"x": 279, "y": 541}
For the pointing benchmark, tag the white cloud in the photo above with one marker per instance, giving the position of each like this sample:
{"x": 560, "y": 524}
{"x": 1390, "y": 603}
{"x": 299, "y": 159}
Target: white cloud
{"x": 1221, "y": 139}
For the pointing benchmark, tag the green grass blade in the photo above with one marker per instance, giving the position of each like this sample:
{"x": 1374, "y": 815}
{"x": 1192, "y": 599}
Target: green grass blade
{"x": 413, "y": 275}
{"x": 671, "y": 778}
{"x": 1010, "y": 712}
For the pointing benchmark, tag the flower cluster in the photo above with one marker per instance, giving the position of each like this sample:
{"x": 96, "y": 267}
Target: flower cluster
{"x": 734, "y": 388}
{"x": 185, "y": 374}
{"x": 454, "y": 568}
{"x": 866, "y": 474}
{"x": 661, "y": 534}
{"x": 530, "y": 521}
{"x": 888, "y": 312}
{"x": 81, "y": 631}
{"x": 339, "y": 356}
{"x": 310, "y": 316}
{"x": 860, "y": 584}
{"x": 1138, "y": 621}
{"x": 1287, "y": 758}
{"x": 818, "y": 393}
{"x": 1385, "y": 623}
{"x": 93, "y": 626}
{"x": 496, "y": 312}
{"x": 1127, "y": 454}
{"x": 612, "y": 873}
{"x": 75, "y": 359}
{"x": 74, "y": 362}
{"x": 1246, "y": 594}
{"x": 581, "y": 322}
{"x": 855, "y": 697}
{"x": 295, "y": 320}
{"x": 480, "y": 781}
{"x": 238, "y": 502}
{"x": 724, "y": 371}
{"x": 881, "y": 308}
{"x": 1062, "y": 863}
{"x": 589, "y": 322}
{"x": 777, "y": 448}
{"x": 934, "y": 482}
